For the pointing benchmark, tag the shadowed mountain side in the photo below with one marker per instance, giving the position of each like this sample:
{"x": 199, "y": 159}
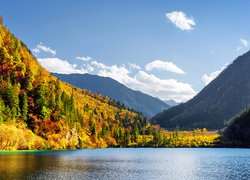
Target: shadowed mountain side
{"x": 224, "y": 97}
{"x": 237, "y": 131}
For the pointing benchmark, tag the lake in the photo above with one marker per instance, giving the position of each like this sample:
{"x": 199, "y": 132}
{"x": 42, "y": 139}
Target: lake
{"x": 128, "y": 163}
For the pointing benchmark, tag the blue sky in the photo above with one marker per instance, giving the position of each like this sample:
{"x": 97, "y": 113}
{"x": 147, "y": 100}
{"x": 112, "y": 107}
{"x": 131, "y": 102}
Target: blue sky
{"x": 139, "y": 43}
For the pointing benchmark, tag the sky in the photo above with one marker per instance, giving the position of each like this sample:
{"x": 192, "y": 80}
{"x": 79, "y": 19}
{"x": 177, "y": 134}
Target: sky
{"x": 167, "y": 49}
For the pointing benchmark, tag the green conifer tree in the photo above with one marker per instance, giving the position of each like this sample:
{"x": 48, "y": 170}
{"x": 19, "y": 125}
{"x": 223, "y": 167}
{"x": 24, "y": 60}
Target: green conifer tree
{"x": 23, "y": 105}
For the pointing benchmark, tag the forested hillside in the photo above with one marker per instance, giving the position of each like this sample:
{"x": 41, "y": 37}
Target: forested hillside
{"x": 137, "y": 100}
{"x": 219, "y": 101}
{"x": 39, "y": 111}
{"x": 237, "y": 131}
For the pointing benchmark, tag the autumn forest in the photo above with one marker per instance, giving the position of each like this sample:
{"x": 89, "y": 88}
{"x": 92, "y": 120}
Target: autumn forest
{"x": 39, "y": 111}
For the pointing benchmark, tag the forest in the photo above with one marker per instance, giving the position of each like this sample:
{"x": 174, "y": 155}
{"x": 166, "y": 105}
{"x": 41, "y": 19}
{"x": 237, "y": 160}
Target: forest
{"x": 39, "y": 111}
{"x": 237, "y": 131}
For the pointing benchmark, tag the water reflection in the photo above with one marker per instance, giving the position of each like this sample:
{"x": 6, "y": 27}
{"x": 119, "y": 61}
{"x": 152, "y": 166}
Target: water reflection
{"x": 128, "y": 164}
{"x": 18, "y": 166}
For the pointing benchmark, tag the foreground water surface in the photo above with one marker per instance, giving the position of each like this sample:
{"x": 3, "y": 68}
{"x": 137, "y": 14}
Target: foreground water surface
{"x": 128, "y": 163}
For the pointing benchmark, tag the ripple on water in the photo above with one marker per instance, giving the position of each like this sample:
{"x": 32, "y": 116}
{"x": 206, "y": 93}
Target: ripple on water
{"x": 140, "y": 163}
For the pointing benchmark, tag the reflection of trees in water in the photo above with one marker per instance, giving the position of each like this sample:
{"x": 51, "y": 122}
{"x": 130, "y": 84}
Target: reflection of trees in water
{"x": 130, "y": 163}
{"x": 45, "y": 165}
{"x": 20, "y": 166}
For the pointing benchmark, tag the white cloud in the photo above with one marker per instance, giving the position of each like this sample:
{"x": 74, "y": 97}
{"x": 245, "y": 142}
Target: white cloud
{"x": 139, "y": 80}
{"x": 164, "y": 88}
{"x": 36, "y": 50}
{"x": 164, "y": 65}
{"x": 119, "y": 73}
{"x": 142, "y": 81}
{"x": 99, "y": 65}
{"x": 42, "y": 48}
{"x": 86, "y": 59}
{"x": 147, "y": 83}
{"x": 244, "y": 42}
{"x": 134, "y": 66}
{"x": 88, "y": 68}
{"x": 56, "y": 65}
{"x": 208, "y": 78}
{"x": 181, "y": 21}
{"x": 238, "y": 48}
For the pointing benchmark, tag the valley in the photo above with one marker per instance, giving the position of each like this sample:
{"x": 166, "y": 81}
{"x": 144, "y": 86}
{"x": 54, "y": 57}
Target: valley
{"x": 39, "y": 111}
{"x": 124, "y": 90}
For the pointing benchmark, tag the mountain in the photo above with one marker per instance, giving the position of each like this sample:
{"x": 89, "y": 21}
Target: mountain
{"x": 220, "y": 100}
{"x": 171, "y": 102}
{"x": 137, "y": 100}
{"x": 237, "y": 131}
{"x": 39, "y": 111}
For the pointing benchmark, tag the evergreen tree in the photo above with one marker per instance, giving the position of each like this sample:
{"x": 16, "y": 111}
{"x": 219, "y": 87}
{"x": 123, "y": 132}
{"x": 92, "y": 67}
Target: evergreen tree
{"x": 136, "y": 134}
{"x": 1, "y": 86}
{"x": 121, "y": 136}
{"x": 93, "y": 130}
{"x": 58, "y": 101}
{"x": 23, "y": 105}
{"x": 40, "y": 99}
{"x": 72, "y": 116}
{"x": 86, "y": 107}
{"x": 116, "y": 135}
{"x": 12, "y": 98}
{"x": 2, "y": 111}
{"x": 92, "y": 127}
{"x": 127, "y": 137}
{"x": 176, "y": 133}
{"x": 28, "y": 81}
{"x": 105, "y": 130}
{"x": 95, "y": 111}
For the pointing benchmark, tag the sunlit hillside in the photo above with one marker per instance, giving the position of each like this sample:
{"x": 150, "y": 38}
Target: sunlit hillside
{"x": 44, "y": 112}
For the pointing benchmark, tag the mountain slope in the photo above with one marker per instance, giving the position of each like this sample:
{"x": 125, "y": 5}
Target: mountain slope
{"x": 171, "y": 102}
{"x": 39, "y": 111}
{"x": 237, "y": 131}
{"x": 141, "y": 102}
{"x": 225, "y": 96}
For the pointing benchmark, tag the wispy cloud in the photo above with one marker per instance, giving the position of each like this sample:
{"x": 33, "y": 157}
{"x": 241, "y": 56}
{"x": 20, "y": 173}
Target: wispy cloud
{"x": 208, "y": 78}
{"x": 134, "y": 66}
{"x": 82, "y": 58}
{"x": 181, "y": 21}
{"x": 43, "y": 48}
{"x": 238, "y": 48}
{"x": 164, "y": 65}
{"x": 244, "y": 42}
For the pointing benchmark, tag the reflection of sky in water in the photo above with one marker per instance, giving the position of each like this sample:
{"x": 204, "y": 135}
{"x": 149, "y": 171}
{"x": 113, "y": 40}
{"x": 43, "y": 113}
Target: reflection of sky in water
{"x": 129, "y": 163}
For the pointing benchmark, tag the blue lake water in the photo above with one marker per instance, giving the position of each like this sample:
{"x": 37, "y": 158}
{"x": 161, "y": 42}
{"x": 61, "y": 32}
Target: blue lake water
{"x": 128, "y": 163}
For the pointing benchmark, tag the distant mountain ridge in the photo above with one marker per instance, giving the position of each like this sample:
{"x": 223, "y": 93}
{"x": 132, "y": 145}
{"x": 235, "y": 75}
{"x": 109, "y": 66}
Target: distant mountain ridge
{"x": 220, "y": 100}
{"x": 137, "y": 100}
{"x": 171, "y": 102}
